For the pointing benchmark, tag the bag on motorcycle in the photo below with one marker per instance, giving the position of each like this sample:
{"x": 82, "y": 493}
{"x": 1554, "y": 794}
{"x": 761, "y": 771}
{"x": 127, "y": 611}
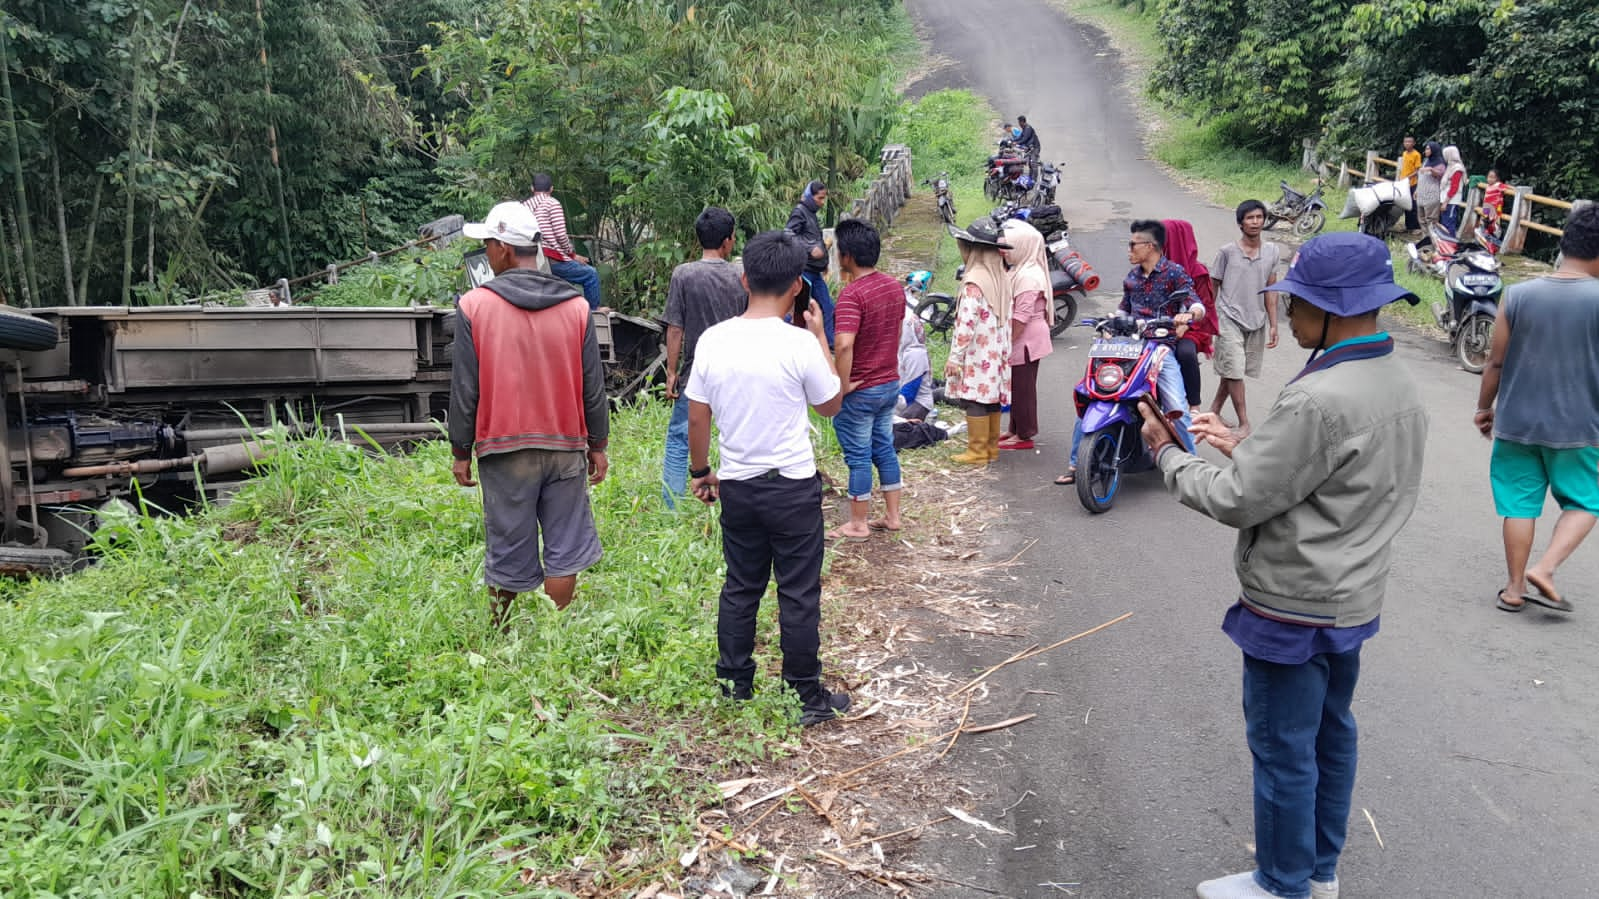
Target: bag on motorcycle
{"x": 1047, "y": 219}
{"x": 1392, "y": 192}
{"x": 1365, "y": 201}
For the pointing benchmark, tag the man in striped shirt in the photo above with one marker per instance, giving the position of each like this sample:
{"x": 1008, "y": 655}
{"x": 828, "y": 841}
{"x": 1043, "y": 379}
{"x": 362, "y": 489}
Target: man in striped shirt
{"x": 565, "y": 263}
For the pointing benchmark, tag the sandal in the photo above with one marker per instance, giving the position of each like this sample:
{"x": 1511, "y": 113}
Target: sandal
{"x": 878, "y": 524}
{"x": 1544, "y": 594}
{"x": 1069, "y": 477}
{"x": 838, "y": 534}
{"x": 1505, "y": 605}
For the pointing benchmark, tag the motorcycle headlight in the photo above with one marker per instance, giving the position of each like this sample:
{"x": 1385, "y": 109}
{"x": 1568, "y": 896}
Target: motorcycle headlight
{"x": 1109, "y": 376}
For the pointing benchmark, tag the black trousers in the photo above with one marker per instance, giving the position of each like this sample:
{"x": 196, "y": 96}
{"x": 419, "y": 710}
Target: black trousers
{"x": 1188, "y": 360}
{"x": 771, "y": 526}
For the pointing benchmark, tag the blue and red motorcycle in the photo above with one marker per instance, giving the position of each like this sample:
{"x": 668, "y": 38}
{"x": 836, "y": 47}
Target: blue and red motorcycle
{"x": 1123, "y": 368}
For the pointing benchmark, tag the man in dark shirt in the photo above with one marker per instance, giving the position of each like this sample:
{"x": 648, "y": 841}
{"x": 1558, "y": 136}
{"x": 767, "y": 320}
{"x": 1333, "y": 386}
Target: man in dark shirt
{"x": 702, "y": 293}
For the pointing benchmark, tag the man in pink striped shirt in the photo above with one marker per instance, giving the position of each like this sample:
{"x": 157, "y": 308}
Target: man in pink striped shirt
{"x": 565, "y": 263}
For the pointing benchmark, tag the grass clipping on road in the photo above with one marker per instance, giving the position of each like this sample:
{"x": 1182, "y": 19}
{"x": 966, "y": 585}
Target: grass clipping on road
{"x": 298, "y": 694}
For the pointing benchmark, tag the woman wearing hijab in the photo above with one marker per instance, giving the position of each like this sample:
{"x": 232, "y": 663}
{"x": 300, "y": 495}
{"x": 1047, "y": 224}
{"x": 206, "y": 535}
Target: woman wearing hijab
{"x": 1032, "y": 314}
{"x": 1183, "y": 248}
{"x": 978, "y": 370}
{"x": 1454, "y": 189}
{"x": 1429, "y": 185}
{"x": 915, "y": 402}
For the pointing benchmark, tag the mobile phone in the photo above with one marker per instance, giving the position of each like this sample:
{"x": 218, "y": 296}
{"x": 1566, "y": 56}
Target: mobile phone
{"x": 1169, "y": 419}
{"x": 802, "y": 302}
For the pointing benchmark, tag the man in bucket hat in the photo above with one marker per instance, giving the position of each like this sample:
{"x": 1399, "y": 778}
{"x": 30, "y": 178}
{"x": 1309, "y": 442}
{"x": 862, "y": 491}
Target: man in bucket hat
{"x": 1318, "y": 493}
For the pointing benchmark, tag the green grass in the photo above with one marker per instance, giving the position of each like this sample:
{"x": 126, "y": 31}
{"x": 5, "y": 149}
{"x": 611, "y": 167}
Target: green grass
{"x": 298, "y": 694}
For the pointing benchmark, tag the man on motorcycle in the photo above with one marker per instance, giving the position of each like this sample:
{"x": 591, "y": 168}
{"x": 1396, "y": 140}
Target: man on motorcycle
{"x": 1156, "y": 287}
{"x": 1027, "y": 142}
{"x": 1318, "y": 494}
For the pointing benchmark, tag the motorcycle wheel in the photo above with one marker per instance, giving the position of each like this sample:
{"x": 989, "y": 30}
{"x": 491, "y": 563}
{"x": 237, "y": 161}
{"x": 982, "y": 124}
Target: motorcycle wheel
{"x": 1065, "y": 313}
{"x": 1472, "y": 342}
{"x": 937, "y": 312}
{"x": 1310, "y": 223}
{"x": 1099, "y": 470}
{"x": 991, "y": 188}
{"x": 946, "y": 210}
{"x": 1271, "y": 222}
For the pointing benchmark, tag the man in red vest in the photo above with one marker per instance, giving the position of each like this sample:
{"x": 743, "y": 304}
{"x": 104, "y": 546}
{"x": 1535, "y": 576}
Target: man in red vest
{"x": 527, "y": 397}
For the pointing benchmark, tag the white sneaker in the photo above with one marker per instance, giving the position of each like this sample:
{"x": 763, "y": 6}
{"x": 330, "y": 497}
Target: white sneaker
{"x": 1234, "y": 886}
{"x": 1324, "y": 889}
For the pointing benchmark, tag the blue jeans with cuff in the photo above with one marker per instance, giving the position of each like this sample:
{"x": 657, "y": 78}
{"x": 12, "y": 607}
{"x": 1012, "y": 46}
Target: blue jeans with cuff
{"x": 1302, "y": 736}
{"x": 674, "y": 466}
{"x": 581, "y": 275}
{"x": 865, "y": 428}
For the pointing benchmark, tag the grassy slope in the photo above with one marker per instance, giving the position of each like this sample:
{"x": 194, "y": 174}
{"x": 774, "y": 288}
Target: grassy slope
{"x": 299, "y": 694}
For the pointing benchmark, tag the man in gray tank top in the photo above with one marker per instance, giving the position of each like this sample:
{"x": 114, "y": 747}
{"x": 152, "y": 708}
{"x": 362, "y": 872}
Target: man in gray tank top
{"x": 1544, "y": 371}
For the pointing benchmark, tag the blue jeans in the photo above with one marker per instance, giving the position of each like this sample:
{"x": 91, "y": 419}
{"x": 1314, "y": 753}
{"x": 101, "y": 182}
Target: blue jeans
{"x": 1169, "y": 384}
{"x": 674, "y": 468}
{"x": 579, "y": 275}
{"x": 818, "y": 283}
{"x": 865, "y": 428}
{"x": 1302, "y": 735}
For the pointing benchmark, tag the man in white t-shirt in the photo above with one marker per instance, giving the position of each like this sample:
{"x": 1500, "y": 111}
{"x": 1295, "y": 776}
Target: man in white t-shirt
{"x": 757, "y": 374}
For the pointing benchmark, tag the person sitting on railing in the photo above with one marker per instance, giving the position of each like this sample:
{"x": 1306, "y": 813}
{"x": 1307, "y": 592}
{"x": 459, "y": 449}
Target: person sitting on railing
{"x": 1493, "y": 203}
{"x": 565, "y": 263}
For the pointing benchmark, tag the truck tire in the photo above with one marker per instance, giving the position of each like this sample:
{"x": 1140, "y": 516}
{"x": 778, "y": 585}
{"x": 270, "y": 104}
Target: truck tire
{"x": 21, "y": 331}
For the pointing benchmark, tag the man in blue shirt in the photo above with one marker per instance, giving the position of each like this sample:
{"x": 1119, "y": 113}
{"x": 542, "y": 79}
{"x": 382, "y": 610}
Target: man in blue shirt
{"x": 1318, "y": 493}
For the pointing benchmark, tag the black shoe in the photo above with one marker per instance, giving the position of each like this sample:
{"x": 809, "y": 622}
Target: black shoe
{"x": 823, "y": 707}
{"x": 740, "y": 692}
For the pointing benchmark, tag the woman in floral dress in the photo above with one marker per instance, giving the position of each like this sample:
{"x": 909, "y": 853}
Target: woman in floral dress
{"x": 978, "y": 371}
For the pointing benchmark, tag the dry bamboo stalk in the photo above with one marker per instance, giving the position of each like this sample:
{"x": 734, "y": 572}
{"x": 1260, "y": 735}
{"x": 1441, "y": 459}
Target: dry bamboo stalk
{"x": 1035, "y": 651}
{"x": 898, "y": 833}
{"x": 965, "y": 713}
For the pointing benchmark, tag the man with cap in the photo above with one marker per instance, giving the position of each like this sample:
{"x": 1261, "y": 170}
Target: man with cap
{"x": 527, "y": 397}
{"x": 1318, "y": 494}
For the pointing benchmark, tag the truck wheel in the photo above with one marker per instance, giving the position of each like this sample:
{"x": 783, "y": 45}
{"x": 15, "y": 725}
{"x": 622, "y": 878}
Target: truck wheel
{"x": 21, "y": 331}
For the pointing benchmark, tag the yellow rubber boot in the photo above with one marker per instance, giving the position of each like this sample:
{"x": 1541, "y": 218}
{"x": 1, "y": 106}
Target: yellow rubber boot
{"x": 976, "y": 442}
{"x": 994, "y": 431}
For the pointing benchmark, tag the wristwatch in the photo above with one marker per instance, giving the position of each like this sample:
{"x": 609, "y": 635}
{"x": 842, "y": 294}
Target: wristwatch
{"x": 697, "y": 473}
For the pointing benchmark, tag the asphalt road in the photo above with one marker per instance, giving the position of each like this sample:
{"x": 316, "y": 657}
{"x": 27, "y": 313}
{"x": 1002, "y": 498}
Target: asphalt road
{"x": 1479, "y": 759}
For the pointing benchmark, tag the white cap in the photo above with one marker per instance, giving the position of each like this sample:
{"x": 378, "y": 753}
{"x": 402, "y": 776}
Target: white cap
{"x": 509, "y": 223}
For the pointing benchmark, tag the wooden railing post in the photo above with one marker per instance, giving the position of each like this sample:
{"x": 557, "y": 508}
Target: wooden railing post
{"x": 1371, "y": 165}
{"x": 1307, "y": 155}
{"x": 1515, "y": 235}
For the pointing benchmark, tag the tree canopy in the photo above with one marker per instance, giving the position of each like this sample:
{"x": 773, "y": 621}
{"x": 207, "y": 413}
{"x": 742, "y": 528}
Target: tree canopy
{"x": 1509, "y": 81}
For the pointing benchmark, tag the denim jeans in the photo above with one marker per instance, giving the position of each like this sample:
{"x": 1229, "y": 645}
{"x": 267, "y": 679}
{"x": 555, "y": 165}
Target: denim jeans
{"x": 579, "y": 275}
{"x": 1169, "y": 383}
{"x": 674, "y": 467}
{"x": 818, "y": 283}
{"x": 865, "y": 428}
{"x": 1302, "y": 736}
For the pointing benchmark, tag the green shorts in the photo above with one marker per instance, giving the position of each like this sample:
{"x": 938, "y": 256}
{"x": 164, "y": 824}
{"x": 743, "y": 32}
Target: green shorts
{"x": 1522, "y": 474}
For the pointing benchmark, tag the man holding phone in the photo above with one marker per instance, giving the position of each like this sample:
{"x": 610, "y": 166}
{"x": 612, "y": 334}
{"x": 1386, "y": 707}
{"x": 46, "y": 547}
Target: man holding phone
{"x": 757, "y": 375}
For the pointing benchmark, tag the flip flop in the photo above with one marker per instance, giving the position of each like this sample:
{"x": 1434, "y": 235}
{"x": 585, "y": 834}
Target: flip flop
{"x": 837, "y": 534}
{"x": 881, "y": 526}
{"x": 1504, "y": 606}
{"x": 1544, "y": 595}
{"x": 1069, "y": 477}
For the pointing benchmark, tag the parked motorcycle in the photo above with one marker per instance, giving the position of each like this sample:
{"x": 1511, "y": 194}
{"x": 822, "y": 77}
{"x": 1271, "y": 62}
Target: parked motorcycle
{"x": 1305, "y": 213}
{"x": 1436, "y": 252}
{"x": 1380, "y": 205}
{"x": 1068, "y": 270}
{"x": 946, "y": 202}
{"x": 1472, "y": 287}
{"x": 1008, "y": 173}
{"x": 1123, "y": 365}
{"x": 936, "y": 310}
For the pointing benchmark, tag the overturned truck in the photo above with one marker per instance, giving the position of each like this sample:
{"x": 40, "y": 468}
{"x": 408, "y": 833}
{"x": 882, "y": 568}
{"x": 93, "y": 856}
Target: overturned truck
{"x": 103, "y": 403}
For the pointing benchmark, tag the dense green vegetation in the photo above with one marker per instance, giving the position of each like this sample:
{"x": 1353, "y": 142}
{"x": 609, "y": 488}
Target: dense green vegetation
{"x": 1509, "y": 81}
{"x": 161, "y": 149}
{"x": 299, "y": 695}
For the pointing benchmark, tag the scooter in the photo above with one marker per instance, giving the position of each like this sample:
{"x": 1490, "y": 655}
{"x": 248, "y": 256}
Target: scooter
{"x": 1436, "y": 252}
{"x": 1472, "y": 287}
{"x": 1123, "y": 366}
{"x": 936, "y": 310}
{"x": 1305, "y": 214}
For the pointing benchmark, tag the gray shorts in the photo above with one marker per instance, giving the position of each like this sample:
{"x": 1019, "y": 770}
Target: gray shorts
{"x": 1238, "y": 352}
{"x": 528, "y": 494}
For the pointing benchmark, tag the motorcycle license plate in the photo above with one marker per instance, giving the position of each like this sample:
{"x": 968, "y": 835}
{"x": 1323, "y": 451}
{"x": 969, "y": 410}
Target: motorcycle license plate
{"x": 1059, "y": 245}
{"x": 1117, "y": 349}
